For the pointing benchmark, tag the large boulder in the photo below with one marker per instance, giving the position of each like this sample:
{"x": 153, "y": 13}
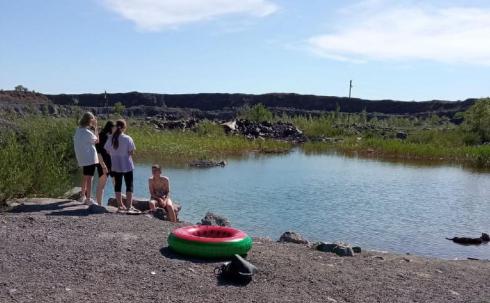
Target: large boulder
{"x": 214, "y": 219}
{"x": 143, "y": 204}
{"x": 292, "y": 237}
{"x": 73, "y": 194}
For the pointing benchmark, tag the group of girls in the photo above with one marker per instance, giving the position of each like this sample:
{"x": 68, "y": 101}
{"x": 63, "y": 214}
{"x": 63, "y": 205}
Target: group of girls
{"x": 110, "y": 152}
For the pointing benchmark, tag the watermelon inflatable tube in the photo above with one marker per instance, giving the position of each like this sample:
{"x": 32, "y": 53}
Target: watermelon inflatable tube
{"x": 207, "y": 241}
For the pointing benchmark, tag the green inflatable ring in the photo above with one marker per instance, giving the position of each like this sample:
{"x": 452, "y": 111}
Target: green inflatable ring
{"x": 209, "y": 241}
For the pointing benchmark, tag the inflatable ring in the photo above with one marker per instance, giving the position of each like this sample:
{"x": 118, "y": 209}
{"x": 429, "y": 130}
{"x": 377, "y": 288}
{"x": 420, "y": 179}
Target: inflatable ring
{"x": 206, "y": 241}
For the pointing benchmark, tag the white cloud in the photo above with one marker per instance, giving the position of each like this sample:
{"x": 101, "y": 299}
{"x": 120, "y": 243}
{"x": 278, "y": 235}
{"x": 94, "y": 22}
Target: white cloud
{"x": 411, "y": 32}
{"x": 156, "y": 15}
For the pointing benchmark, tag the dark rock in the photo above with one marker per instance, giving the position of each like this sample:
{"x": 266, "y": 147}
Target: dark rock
{"x": 326, "y": 247}
{"x": 292, "y": 237}
{"x": 161, "y": 214}
{"x": 357, "y": 249}
{"x": 401, "y": 135}
{"x": 143, "y": 204}
{"x": 207, "y": 163}
{"x": 213, "y": 219}
{"x": 344, "y": 251}
{"x": 471, "y": 241}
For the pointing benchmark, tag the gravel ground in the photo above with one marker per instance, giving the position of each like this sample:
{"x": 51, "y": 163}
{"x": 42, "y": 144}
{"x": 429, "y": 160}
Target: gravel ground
{"x": 58, "y": 252}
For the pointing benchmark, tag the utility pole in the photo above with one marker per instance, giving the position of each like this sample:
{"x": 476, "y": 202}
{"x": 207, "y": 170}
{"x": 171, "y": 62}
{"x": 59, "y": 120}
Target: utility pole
{"x": 350, "y": 89}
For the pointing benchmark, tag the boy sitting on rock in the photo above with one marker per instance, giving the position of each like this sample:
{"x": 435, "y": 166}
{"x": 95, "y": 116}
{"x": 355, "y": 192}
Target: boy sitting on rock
{"x": 159, "y": 187}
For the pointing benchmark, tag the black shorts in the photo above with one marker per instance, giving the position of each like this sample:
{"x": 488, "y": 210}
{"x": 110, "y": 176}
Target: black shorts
{"x": 89, "y": 170}
{"x": 128, "y": 179}
{"x": 100, "y": 171}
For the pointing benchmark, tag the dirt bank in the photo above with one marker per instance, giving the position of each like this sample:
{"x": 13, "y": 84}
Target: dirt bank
{"x": 58, "y": 252}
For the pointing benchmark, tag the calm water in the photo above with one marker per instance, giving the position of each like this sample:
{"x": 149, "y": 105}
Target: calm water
{"x": 377, "y": 205}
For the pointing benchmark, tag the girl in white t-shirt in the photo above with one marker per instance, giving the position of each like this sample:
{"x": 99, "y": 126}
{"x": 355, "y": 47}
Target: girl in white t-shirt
{"x": 84, "y": 141}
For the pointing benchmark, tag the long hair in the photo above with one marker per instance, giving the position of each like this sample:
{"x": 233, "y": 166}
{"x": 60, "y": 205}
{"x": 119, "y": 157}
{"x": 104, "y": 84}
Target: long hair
{"x": 120, "y": 127}
{"x": 85, "y": 120}
{"x": 107, "y": 130}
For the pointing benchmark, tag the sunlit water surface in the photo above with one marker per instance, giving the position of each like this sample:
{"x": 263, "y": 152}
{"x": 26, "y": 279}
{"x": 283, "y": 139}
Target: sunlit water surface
{"x": 377, "y": 205}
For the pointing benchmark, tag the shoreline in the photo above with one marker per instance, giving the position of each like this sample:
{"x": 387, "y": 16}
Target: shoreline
{"x": 57, "y": 251}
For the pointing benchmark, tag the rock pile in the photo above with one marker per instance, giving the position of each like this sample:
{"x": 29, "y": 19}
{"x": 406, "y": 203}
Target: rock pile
{"x": 207, "y": 163}
{"x": 279, "y": 130}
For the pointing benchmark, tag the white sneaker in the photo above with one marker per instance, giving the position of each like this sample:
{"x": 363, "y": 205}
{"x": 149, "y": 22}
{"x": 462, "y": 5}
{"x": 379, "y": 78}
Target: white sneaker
{"x": 89, "y": 201}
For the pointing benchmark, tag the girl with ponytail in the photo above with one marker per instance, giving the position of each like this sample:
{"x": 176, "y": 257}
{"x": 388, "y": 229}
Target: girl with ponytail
{"x": 121, "y": 148}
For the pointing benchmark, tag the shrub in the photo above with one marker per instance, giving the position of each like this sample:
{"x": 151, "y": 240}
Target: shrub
{"x": 119, "y": 108}
{"x": 477, "y": 120}
{"x": 257, "y": 113}
{"x": 37, "y": 160}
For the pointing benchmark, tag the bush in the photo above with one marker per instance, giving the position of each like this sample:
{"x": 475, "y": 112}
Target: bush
{"x": 37, "y": 160}
{"x": 257, "y": 113}
{"x": 119, "y": 108}
{"x": 477, "y": 120}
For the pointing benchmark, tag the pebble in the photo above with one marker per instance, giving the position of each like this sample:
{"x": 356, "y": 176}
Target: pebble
{"x": 67, "y": 289}
{"x": 153, "y": 273}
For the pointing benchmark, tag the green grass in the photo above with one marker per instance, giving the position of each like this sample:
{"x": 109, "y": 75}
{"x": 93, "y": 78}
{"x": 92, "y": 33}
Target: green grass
{"x": 442, "y": 148}
{"x": 208, "y": 142}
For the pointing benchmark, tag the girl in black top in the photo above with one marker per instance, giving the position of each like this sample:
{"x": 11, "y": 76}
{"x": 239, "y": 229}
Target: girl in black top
{"x": 104, "y": 166}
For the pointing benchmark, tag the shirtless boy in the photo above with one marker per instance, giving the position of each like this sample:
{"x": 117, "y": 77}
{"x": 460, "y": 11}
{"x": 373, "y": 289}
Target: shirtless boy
{"x": 159, "y": 190}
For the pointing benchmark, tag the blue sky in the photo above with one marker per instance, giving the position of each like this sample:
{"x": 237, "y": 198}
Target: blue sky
{"x": 404, "y": 49}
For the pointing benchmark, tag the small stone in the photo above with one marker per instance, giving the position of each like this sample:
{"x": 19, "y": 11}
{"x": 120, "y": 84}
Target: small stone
{"x": 67, "y": 289}
{"x": 357, "y": 249}
{"x": 292, "y": 237}
{"x": 153, "y": 273}
{"x": 406, "y": 260}
{"x": 331, "y": 300}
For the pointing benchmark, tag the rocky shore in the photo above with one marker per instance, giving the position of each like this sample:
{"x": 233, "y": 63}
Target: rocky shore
{"x": 57, "y": 251}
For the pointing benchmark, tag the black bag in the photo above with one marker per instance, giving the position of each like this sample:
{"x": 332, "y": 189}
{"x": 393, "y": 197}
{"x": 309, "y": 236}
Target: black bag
{"x": 238, "y": 270}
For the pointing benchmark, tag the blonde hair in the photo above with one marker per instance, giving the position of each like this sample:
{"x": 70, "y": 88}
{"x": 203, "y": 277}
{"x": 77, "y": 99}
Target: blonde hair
{"x": 86, "y": 118}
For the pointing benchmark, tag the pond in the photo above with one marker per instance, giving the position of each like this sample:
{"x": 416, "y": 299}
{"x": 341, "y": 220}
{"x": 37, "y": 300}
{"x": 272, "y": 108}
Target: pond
{"x": 377, "y": 205}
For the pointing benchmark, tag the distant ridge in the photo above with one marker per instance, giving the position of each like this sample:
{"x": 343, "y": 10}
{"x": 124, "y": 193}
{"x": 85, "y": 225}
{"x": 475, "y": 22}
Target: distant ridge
{"x": 223, "y": 101}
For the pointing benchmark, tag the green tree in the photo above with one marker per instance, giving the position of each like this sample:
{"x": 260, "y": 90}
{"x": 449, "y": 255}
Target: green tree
{"x": 119, "y": 108}
{"x": 477, "y": 120}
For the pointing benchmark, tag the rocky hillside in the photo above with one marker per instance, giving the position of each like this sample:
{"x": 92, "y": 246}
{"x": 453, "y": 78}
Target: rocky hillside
{"x": 225, "y": 105}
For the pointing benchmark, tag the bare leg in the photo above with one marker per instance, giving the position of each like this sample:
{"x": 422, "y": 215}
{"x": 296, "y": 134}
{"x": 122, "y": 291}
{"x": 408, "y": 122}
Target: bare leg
{"x": 170, "y": 210}
{"x": 84, "y": 188}
{"x": 88, "y": 184}
{"x": 129, "y": 199}
{"x": 152, "y": 206}
{"x": 100, "y": 188}
{"x": 119, "y": 201}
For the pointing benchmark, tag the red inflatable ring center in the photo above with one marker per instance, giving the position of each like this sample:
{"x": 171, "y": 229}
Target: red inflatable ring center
{"x": 209, "y": 234}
